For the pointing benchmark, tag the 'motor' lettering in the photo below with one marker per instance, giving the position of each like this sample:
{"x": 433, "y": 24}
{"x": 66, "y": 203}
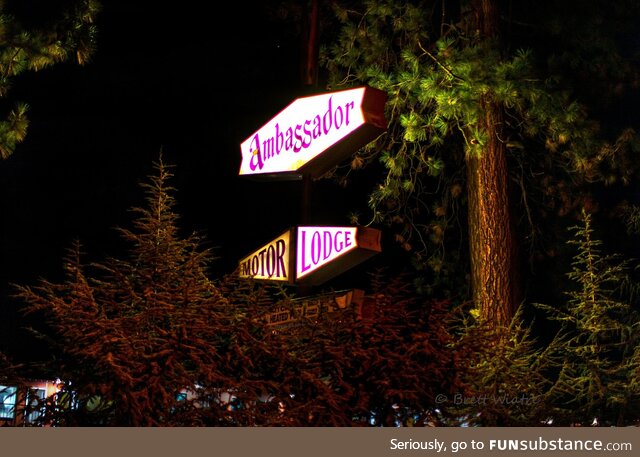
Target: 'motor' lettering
{"x": 269, "y": 262}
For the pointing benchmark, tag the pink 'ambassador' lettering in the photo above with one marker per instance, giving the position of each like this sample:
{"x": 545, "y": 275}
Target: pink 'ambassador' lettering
{"x": 299, "y": 137}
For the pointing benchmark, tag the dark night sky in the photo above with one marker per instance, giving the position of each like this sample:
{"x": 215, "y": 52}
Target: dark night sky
{"x": 193, "y": 82}
{"x": 177, "y": 77}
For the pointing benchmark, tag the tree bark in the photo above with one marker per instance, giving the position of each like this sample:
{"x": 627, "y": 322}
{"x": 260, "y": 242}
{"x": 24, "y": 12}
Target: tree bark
{"x": 492, "y": 239}
{"x": 492, "y": 243}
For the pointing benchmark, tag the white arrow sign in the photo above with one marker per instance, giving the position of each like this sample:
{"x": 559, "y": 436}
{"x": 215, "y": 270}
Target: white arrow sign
{"x": 313, "y": 254}
{"x": 323, "y": 252}
{"x": 314, "y": 133}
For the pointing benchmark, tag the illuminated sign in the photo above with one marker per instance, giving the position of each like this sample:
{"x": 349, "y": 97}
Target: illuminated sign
{"x": 318, "y": 246}
{"x": 313, "y": 308}
{"x": 313, "y": 134}
{"x": 324, "y": 252}
{"x": 271, "y": 262}
{"x": 319, "y": 254}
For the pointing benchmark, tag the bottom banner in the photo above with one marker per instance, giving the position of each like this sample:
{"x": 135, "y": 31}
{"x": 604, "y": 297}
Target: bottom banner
{"x": 324, "y": 442}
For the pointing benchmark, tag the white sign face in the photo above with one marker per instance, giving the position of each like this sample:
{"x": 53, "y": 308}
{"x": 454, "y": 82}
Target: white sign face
{"x": 270, "y": 262}
{"x": 320, "y": 253}
{"x": 303, "y": 130}
{"x": 317, "y": 246}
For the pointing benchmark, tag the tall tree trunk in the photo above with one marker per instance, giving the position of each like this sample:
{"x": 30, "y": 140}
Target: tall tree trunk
{"x": 492, "y": 240}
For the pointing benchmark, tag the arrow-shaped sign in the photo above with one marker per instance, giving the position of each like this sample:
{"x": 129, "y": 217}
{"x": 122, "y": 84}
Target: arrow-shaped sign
{"x": 317, "y": 254}
{"x": 313, "y": 134}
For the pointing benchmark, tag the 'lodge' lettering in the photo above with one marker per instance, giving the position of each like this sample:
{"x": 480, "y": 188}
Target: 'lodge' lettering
{"x": 300, "y": 255}
{"x": 316, "y": 247}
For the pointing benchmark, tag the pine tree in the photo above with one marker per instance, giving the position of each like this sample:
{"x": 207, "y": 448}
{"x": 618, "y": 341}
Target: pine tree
{"x": 598, "y": 380}
{"x": 387, "y": 367}
{"x": 142, "y": 340}
{"x": 148, "y": 339}
{"x": 465, "y": 109}
{"x": 72, "y": 37}
{"x": 507, "y": 375}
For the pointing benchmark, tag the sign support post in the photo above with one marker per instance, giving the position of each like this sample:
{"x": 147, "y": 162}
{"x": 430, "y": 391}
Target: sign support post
{"x": 304, "y": 141}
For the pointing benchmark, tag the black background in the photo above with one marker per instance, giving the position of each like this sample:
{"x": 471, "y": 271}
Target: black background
{"x": 190, "y": 79}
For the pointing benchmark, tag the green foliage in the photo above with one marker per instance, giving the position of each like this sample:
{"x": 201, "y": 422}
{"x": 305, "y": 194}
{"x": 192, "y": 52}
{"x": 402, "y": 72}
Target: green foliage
{"x": 149, "y": 340}
{"x": 507, "y": 376}
{"x": 13, "y": 130}
{"x": 598, "y": 380}
{"x": 438, "y": 77}
{"x": 632, "y": 219}
{"x": 134, "y": 333}
{"x": 71, "y": 37}
{"x": 380, "y": 363}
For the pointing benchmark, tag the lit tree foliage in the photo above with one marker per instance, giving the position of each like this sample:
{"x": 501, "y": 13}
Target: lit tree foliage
{"x": 385, "y": 367}
{"x": 141, "y": 332}
{"x": 507, "y": 376}
{"x": 467, "y": 111}
{"x": 70, "y": 38}
{"x": 150, "y": 340}
{"x": 598, "y": 380}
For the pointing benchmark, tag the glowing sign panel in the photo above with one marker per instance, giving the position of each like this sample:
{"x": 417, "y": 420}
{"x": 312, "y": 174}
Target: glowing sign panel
{"x": 320, "y": 254}
{"x": 334, "y": 125}
{"x": 323, "y": 252}
{"x": 318, "y": 246}
{"x": 270, "y": 262}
